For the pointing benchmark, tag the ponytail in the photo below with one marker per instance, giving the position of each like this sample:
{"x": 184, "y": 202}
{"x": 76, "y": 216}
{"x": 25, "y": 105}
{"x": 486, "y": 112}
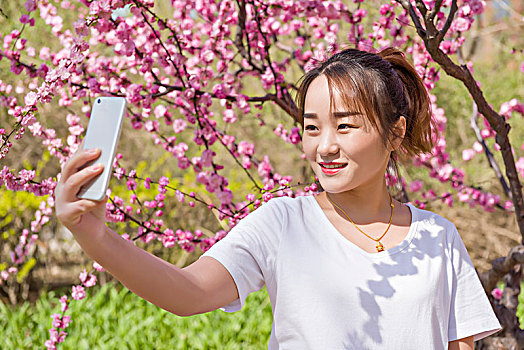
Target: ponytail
{"x": 417, "y": 112}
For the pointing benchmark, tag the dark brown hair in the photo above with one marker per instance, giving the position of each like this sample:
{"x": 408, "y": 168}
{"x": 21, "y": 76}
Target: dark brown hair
{"x": 382, "y": 87}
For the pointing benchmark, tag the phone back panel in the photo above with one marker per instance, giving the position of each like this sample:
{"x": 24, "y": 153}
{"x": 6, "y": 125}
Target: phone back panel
{"x": 103, "y": 132}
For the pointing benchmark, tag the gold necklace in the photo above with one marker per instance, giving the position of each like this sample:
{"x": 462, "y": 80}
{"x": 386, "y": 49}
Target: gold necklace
{"x": 379, "y": 246}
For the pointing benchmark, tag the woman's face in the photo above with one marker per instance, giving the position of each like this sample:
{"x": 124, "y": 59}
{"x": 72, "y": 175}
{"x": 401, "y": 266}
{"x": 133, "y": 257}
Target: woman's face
{"x": 343, "y": 148}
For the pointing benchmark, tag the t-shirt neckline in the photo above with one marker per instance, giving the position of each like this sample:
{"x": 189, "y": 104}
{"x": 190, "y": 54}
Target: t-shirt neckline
{"x": 401, "y": 246}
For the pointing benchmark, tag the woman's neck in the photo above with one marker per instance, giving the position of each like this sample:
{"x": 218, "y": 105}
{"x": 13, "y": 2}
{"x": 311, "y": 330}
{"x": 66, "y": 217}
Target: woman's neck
{"x": 363, "y": 205}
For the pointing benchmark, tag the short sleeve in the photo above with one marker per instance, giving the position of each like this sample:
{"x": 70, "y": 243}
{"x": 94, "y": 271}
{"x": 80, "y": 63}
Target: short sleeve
{"x": 248, "y": 251}
{"x": 471, "y": 312}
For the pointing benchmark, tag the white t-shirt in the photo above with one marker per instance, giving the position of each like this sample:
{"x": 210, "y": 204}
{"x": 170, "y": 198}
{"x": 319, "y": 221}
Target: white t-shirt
{"x": 327, "y": 293}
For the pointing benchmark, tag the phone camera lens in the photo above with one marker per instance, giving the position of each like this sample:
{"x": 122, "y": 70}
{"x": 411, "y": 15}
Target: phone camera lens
{"x": 99, "y": 100}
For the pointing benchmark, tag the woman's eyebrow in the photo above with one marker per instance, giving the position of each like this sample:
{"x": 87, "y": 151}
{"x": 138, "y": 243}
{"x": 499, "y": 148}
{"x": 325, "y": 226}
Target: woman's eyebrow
{"x": 345, "y": 114}
{"x": 336, "y": 114}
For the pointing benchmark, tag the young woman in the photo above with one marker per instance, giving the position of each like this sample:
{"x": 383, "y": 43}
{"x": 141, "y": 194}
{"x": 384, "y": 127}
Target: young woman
{"x": 349, "y": 268}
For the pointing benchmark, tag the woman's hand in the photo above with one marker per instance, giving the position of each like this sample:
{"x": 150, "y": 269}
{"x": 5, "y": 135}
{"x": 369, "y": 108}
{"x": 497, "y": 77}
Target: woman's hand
{"x": 85, "y": 218}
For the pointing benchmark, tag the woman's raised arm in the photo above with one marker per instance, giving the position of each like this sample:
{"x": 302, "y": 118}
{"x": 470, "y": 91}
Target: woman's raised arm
{"x": 203, "y": 286}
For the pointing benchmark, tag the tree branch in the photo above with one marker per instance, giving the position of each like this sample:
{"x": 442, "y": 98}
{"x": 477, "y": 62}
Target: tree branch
{"x": 450, "y": 18}
{"x": 502, "y": 266}
{"x": 487, "y": 152}
{"x": 408, "y": 7}
{"x": 436, "y": 8}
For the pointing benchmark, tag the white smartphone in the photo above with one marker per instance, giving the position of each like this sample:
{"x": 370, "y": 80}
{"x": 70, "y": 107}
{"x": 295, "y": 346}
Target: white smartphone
{"x": 103, "y": 131}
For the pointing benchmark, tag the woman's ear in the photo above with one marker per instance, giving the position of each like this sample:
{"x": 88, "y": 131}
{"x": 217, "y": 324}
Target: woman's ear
{"x": 399, "y": 131}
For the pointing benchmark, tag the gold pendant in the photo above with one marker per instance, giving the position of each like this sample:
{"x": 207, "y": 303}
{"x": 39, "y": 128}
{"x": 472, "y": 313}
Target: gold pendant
{"x": 380, "y": 247}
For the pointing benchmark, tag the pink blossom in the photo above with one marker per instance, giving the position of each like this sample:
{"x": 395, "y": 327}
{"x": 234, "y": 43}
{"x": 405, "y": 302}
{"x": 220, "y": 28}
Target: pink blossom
{"x": 268, "y": 79}
{"x": 359, "y": 14}
{"x": 63, "y": 303}
{"x": 129, "y": 47}
{"x": 25, "y": 19}
{"x": 163, "y": 181}
{"x": 90, "y": 281}
{"x": 295, "y": 137}
{"x": 477, "y": 147}
{"x": 50, "y": 345}
{"x": 477, "y": 6}
{"x": 81, "y": 28}
{"x": 468, "y": 154}
{"x": 57, "y": 322}
{"x": 447, "y": 198}
{"x": 225, "y": 196}
{"x": 461, "y": 24}
{"x": 83, "y": 276}
{"x": 30, "y": 5}
{"x": 55, "y": 337}
{"x": 267, "y": 196}
{"x": 214, "y": 181}
{"x": 520, "y": 166}
{"x": 246, "y": 148}
{"x": 497, "y": 293}
{"x": 384, "y": 9}
{"x": 208, "y": 56}
{"x": 229, "y": 140}
{"x": 220, "y": 91}
{"x": 65, "y": 321}
{"x": 78, "y": 292}
{"x": 300, "y": 41}
{"x": 180, "y": 196}
{"x": 264, "y": 167}
{"x": 160, "y": 111}
{"x": 207, "y": 157}
{"x": 445, "y": 172}
{"x": 229, "y": 116}
{"x": 415, "y": 186}
{"x": 168, "y": 239}
{"x": 45, "y": 53}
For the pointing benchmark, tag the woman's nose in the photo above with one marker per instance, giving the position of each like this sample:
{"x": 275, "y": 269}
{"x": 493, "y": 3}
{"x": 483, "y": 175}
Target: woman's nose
{"x": 328, "y": 144}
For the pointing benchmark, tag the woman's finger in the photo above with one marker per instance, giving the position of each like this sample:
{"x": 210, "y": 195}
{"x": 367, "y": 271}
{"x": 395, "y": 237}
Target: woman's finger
{"x": 83, "y": 206}
{"x": 71, "y": 213}
{"x": 77, "y": 180}
{"x": 78, "y": 161}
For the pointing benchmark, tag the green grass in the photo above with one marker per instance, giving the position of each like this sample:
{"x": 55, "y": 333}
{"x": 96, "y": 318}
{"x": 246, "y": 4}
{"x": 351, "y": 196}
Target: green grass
{"x": 115, "y": 318}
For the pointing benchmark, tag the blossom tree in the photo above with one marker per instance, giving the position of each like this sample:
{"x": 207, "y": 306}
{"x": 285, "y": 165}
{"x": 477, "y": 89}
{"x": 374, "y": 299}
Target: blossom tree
{"x": 193, "y": 71}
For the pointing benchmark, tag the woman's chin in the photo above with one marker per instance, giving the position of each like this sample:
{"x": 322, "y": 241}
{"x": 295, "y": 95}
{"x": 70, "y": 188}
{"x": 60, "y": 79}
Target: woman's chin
{"x": 332, "y": 187}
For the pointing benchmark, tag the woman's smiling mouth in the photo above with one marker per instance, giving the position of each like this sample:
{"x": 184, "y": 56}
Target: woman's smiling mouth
{"x": 332, "y": 168}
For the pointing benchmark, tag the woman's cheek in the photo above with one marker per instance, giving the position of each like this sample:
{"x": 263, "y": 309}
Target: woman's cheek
{"x": 306, "y": 146}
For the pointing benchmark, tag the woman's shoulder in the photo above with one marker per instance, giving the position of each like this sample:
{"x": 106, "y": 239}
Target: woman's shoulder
{"x": 277, "y": 207}
{"x": 429, "y": 217}
{"x": 273, "y": 215}
{"x": 286, "y": 206}
{"x": 283, "y": 205}
{"x": 429, "y": 222}
{"x": 288, "y": 201}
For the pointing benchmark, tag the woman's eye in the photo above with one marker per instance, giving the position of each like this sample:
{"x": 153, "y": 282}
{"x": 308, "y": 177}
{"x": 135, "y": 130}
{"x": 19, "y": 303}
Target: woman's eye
{"x": 346, "y": 126}
{"x": 310, "y": 127}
